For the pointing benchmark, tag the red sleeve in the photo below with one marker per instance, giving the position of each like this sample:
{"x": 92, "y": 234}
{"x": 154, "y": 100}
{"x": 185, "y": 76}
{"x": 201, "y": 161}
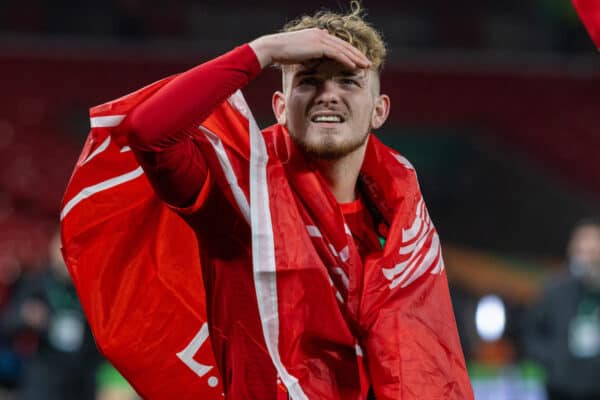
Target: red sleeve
{"x": 158, "y": 129}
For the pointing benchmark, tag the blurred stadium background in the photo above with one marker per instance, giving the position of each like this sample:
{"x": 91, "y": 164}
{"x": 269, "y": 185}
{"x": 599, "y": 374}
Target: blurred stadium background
{"x": 495, "y": 103}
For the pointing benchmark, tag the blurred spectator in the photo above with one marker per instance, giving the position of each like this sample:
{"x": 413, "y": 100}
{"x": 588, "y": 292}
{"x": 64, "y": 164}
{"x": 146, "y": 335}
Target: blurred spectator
{"x": 564, "y": 328}
{"x": 45, "y": 320}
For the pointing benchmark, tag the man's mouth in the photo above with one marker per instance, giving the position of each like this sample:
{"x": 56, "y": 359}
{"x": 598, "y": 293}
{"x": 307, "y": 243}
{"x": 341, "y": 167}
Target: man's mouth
{"x": 327, "y": 118}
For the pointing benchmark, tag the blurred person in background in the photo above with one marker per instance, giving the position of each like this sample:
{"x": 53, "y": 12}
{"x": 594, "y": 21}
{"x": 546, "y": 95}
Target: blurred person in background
{"x": 46, "y": 322}
{"x": 563, "y": 329}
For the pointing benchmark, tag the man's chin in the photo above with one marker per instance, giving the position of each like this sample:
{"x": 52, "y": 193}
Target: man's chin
{"x": 328, "y": 149}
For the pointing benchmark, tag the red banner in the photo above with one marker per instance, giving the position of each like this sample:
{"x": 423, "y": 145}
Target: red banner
{"x": 135, "y": 265}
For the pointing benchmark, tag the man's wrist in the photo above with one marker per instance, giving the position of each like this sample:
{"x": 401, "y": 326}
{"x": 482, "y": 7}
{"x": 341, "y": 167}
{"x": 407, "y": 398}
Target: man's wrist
{"x": 261, "y": 48}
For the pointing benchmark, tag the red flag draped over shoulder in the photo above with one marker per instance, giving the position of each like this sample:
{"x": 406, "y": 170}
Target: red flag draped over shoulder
{"x": 589, "y": 12}
{"x": 136, "y": 268}
{"x": 135, "y": 265}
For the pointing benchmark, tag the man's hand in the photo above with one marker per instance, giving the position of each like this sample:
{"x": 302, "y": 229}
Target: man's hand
{"x": 300, "y": 46}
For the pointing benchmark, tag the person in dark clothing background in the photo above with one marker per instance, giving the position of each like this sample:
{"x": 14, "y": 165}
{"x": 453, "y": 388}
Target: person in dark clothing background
{"x": 45, "y": 320}
{"x": 563, "y": 330}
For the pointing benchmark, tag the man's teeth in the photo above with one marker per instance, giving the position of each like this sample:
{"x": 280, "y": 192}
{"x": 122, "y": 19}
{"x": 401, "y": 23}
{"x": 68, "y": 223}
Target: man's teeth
{"x": 327, "y": 118}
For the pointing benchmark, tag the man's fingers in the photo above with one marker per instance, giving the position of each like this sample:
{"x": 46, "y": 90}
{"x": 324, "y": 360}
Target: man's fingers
{"x": 343, "y": 55}
{"x": 337, "y": 55}
{"x": 347, "y": 57}
{"x": 348, "y": 47}
{"x": 347, "y": 50}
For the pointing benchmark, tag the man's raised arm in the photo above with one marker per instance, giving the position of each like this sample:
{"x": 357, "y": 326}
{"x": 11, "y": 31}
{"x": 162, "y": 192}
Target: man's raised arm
{"x": 158, "y": 128}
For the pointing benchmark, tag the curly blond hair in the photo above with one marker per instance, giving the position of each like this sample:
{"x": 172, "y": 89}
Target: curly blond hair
{"x": 350, "y": 27}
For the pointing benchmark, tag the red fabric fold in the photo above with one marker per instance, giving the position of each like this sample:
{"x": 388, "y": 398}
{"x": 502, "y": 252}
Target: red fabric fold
{"x": 139, "y": 272}
{"x": 589, "y": 12}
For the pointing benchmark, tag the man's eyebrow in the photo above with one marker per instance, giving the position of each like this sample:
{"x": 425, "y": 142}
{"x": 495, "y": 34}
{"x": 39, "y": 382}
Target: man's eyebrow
{"x": 354, "y": 74}
{"x": 307, "y": 72}
{"x": 347, "y": 73}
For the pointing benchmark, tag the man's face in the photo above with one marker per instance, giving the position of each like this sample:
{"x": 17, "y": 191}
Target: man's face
{"x": 584, "y": 249}
{"x": 330, "y": 109}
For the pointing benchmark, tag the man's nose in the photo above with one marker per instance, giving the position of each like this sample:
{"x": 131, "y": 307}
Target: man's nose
{"x": 327, "y": 92}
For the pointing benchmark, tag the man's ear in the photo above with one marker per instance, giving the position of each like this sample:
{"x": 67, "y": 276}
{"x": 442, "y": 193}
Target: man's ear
{"x": 380, "y": 111}
{"x": 278, "y": 104}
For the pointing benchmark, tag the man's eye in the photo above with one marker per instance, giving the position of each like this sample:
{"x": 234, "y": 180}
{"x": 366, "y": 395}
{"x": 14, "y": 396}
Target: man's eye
{"x": 349, "y": 81}
{"x": 309, "y": 81}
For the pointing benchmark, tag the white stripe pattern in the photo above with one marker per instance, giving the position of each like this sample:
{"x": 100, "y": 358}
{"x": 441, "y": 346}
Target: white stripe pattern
{"x": 313, "y": 231}
{"x": 332, "y": 249}
{"x": 345, "y": 254}
{"x": 347, "y": 230}
{"x": 338, "y": 295}
{"x": 238, "y": 102}
{"x": 358, "y": 350}
{"x": 421, "y": 248}
{"x": 413, "y": 241}
{"x": 103, "y": 146}
{"x": 343, "y": 277}
{"x": 422, "y": 265}
{"x": 107, "y": 121}
{"x": 99, "y": 187}
{"x": 402, "y": 160}
{"x": 232, "y": 180}
{"x": 263, "y": 253}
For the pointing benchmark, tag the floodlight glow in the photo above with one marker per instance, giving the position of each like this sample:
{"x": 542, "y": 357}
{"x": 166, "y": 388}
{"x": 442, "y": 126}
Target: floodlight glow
{"x": 490, "y": 318}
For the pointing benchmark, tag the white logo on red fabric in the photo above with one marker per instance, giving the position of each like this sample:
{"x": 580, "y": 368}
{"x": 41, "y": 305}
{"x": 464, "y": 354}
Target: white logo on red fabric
{"x": 420, "y": 250}
{"x": 187, "y": 356}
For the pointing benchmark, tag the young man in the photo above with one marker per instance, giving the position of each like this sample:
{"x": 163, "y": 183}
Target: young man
{"x": 302, "y": 298}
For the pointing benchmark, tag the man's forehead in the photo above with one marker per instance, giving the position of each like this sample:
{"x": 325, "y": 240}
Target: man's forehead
{"x": 325, "y": 66}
